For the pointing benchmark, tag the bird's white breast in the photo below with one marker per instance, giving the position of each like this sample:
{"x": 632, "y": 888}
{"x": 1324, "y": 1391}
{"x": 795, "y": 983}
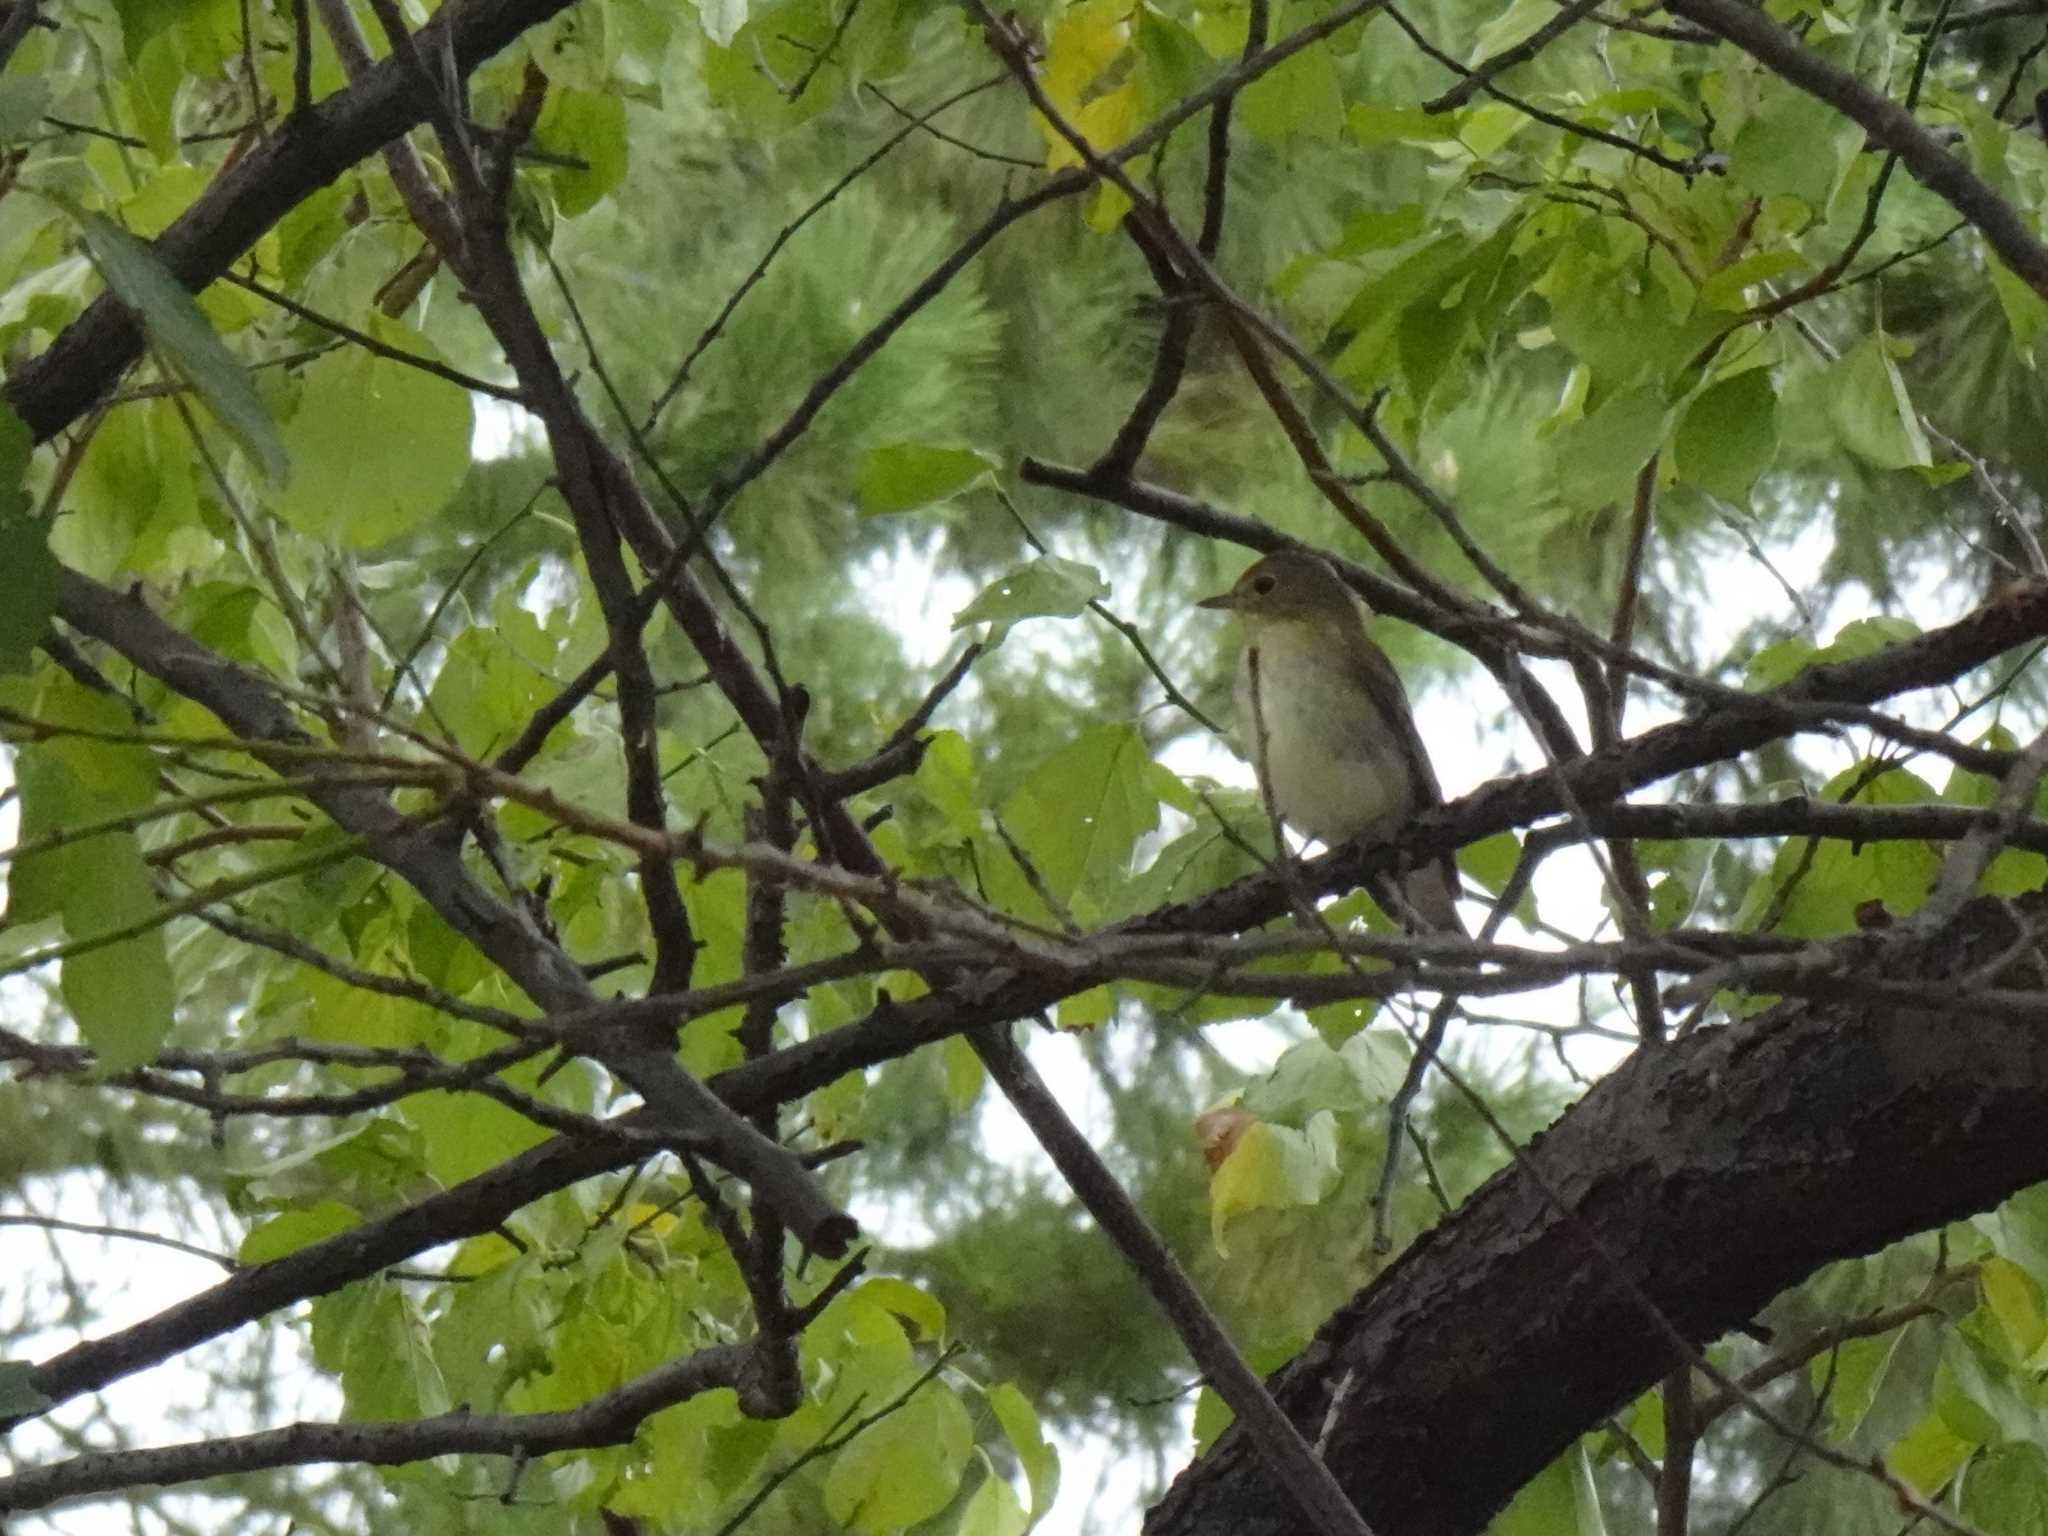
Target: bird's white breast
{"x": 1334, "y": 768}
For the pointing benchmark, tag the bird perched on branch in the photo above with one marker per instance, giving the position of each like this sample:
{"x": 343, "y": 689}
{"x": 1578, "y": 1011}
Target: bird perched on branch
{"x": 1326, "y": 722}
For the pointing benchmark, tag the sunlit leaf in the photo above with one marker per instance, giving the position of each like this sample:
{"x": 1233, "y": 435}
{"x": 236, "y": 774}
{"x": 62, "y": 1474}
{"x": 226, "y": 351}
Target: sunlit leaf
{"x": 1930, "y": 1454}
{"x": 1040, "y": 1460}
{"x": 994, "y": 1510}
{"x": 903, "y": 1469}
{"x": 289, "y": 1231}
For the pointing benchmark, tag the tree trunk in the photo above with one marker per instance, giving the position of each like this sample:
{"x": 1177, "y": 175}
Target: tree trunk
{"x": 1712, "y": 1174}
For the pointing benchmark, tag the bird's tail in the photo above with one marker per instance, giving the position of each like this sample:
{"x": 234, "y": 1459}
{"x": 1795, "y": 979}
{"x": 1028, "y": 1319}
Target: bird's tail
{"x": 1427, "y": 898}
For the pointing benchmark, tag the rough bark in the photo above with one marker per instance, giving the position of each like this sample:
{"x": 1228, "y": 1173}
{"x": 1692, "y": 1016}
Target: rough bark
{"x": 1715, "y": 1174}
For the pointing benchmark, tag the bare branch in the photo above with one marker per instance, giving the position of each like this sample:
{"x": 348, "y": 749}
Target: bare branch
{"x": 610, "y": 1419}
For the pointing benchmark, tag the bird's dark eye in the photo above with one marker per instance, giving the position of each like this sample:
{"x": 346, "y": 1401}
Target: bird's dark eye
{"x": 1262, "y": 585}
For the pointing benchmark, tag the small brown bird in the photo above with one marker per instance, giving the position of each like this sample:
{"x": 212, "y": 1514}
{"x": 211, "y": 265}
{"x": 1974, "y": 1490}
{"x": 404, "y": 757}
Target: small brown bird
{"x": 1332, "y": 736}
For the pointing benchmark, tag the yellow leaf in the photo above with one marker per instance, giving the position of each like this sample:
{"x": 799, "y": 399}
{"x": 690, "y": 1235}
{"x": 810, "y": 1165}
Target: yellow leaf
{"x": 1273, "y": 1165}
{"x": 1104, "y": 122}
{"x": 1087, "y": 42}
{"x": 1088, "y": 37}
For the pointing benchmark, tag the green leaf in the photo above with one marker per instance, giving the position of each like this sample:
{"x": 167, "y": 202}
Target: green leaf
{"x": 900, "y": 477}
{"x": 2025, "y": 310}
{"x": 2021, "y": 1229}
{"x": 722, "y": 19}
{"x": 965, "y": 1075}
{"x": 1729, "y": 435}
{"x": 1309, "y": 1078}
{"x": 1048, "y": 587}
{"x": 1372, "y": 125}
{"x": 28, "y": 571}
{"x": 1599, "y": 458}
{"x": 590, "y": 127}
{"x": 1087, "y": 1009}
{"x": 1645, "y": 1420}
{"x": 923, "y": 1311}
{"x": 1851, "y": 1373}
{"x": 1840, "y": 877}
{"x": 292, "y": 1230}
{"x": 1510, "y": 26}
{"x": 733, "y": 1451}
{"x": 1930, "y": 1454}
{"x": 2014, "y": 1300}
{"x": 1868, "y": 404}
{"x": 1488, "y": 128}
{"x": 1212, "y": 1417}
{"x": 1777, "y": 664}
{"x": 1861, "y": 638}
{"x": 378, "y": 446}
{"x": 1586, "y": 1496}
{"x": 487, "y": 689}
{"x": 1299, "y": 100}
{"x": 22, "y": 104}
{"x": 119, "y": 992}
{"x": 1175, "y": 59}
{"x": 2006, "y": 1490}
{"x": 1041, "y": 1462}
{"x": 994, "y": 1510}
{"x": 182, "y": 333}
{"x": 1373, "y": 229}
{"x": 373, "y": 1335}
{"x": 1791, "y": 146}
{"x": 1938, "y": 475}
{"x": 17, "y": 1396}
{"x": 1558, "y": 1501}
{"x": 1982, "y": 1398}
{"x": 1780, "y": 663}
{"x": 1378, "y": 1059}
{"x": 465, "y": 1133}
{"x": 1728, "y": 288}
{"x": 1080, "y": 815}
{"x": 903, "y": 1469}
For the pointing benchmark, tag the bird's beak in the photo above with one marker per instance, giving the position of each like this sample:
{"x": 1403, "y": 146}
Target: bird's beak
{"x": 1223, "y": 600}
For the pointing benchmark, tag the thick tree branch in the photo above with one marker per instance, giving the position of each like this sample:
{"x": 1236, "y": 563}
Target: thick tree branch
{"x": 992, "y": 995}
{"x": 1288, "y": 1450}
{"x": 996, "y": 994}
{"x": 1722, "y": 1169}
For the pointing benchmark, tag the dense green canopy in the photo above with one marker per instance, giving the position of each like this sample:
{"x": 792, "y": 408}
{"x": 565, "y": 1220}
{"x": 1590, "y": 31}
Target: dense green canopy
{"x": 513, "y": 509}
